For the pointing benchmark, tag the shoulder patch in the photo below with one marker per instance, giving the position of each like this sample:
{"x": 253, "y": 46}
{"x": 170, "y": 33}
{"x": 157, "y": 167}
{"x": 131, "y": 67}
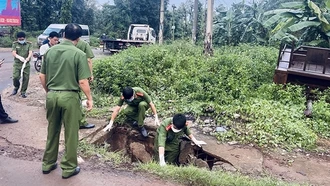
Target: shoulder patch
{"x": 139, "y": 94}
{"x": 15, "y": 42}
{"x": 168, "y": 127}
{"x": 29, "y": 42}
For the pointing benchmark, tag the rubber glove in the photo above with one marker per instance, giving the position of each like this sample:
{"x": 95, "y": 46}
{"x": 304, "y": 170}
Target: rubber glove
{"x": 108, "y": 127}
{"x": 156, "y": 120}
{"x": 20, "y": 58}
{"x": 162, "y": 160}
{"x": 197, "y": 142}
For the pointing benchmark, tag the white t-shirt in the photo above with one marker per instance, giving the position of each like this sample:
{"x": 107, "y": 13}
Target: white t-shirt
{"x": 43, "y": 49}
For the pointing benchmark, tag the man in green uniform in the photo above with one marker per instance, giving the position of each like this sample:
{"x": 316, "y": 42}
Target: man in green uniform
{"x": 84, "y": 46}
{"x": 138, "y": 102}
{"x": 22, "y": 52}
{"x": 64, "y": 73}
{"x": 167, "y": 140}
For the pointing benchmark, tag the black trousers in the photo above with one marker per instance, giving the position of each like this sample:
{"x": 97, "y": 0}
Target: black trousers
{"x": 3, "y": 114}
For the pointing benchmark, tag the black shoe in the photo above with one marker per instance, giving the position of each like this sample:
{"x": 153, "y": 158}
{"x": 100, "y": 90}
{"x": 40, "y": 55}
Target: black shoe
{"x": 144, "y": 132}
{"x": 51, "y": 169}
{"x": 14, "y": 92}
{"x": 135, "y": 124}
{"x": 24, "y": 95}
{"x": 76, "y": 171}
{"x": 8, "y": 120}
{"x": 87, "y": 126}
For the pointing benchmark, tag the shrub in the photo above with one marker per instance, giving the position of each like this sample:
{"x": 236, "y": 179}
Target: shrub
{"x": 236, "y": 80}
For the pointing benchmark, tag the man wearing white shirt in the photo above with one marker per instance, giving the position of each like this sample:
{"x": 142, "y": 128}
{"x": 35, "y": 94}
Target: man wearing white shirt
{"x": 53, "y": 40}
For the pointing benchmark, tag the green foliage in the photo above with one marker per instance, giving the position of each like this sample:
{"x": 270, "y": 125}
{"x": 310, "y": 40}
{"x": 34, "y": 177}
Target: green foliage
{"x": 88, "y": 150}
{"x": 94, "y": 41}
{"x": 6, "y": 42}
{"x": 195, "y": 176}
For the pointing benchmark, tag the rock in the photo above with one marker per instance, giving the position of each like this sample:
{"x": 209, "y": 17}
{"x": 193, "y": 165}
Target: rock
{"x": 227, "y": 167}
{"x": 207, "y": 129}
{"x": 220, "y": 129}
{"x": 139, "y": 152}
{"x": 201, "y": 164}
{"x": 80, "y": 160}
{"x": 207, "y": 121}
{"x": 236, "y": 116}
{"x": 232, "y": 142}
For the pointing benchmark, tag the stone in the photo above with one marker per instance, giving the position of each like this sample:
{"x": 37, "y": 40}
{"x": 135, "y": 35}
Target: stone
{"x": 220, "y": 129}
{"x": 207, "y": 121}
{"x": 207, "y": 129}
{"x": 139, "y": 152}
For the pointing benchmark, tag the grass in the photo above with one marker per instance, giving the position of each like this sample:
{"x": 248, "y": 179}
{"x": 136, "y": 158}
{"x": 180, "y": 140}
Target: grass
{"x": 196, "y": 176}
{"x": 88, "y": 150}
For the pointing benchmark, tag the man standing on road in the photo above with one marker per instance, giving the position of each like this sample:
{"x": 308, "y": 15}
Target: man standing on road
{"x": 84, "y": 46}
{"x": 4, "y": 118}
{"x": 22, "y": 52}
{"x": 53, "y": 40}
{"x": 138, "y": 102}
{"x": 63, "y": 74}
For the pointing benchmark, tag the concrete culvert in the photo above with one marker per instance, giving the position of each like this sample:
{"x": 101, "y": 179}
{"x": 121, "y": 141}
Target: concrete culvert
{"x": 132, "y": 144}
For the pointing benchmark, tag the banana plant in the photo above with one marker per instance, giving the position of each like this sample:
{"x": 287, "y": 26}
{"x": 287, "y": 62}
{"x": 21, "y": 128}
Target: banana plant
{"x": 302, "y": 21}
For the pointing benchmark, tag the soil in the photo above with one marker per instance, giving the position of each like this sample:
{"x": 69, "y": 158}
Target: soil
{"x": 26, "y": 140}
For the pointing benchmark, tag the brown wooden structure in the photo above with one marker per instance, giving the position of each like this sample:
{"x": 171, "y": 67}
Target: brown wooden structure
{"x": 304, "y": 65}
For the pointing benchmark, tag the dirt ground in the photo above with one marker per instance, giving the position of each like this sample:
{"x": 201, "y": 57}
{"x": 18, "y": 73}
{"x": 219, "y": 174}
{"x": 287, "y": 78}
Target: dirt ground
{"x": 26, "y": 140}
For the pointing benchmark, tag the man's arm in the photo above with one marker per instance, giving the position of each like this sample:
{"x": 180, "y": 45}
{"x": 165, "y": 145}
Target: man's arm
{"x": 42, "y": 78}
{"x": 115, "y": 113}
{"x": 153, "y": 108}
{"x": 90, "y": 65}
{"x": 84, "y": 86}
{"x": 29, "y": 56}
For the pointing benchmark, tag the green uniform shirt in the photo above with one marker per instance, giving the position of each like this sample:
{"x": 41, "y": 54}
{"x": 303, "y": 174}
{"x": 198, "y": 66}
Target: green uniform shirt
{"x": 84, "y": 46}
{"x": 139, "y": 95}
{"x": 64, "y": 65}
{"x": 22, "y": 49}
{"x": 167, "y": 138}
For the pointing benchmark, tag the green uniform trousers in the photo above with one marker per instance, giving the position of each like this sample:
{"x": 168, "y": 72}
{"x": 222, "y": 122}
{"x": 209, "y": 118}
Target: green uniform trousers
{"x": 171, "y": 157}
{"x": 137, "y": 113}
{"x": 62, "y": 107}
{"x": 17, "y": 75}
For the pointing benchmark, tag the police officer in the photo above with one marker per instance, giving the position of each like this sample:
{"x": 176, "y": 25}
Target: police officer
{"x": 138, "y": 102}
{"x": 167, "y": 140}
{"x": 84, "y": 46}
{"x": 64, "y": 73}
{"x": 22, "y": 51}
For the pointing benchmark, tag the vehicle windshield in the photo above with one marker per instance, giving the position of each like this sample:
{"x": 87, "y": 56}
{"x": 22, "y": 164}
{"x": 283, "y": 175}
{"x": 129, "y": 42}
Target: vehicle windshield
{"x": 49, "y": 30}
{"x": 140, "y": 31}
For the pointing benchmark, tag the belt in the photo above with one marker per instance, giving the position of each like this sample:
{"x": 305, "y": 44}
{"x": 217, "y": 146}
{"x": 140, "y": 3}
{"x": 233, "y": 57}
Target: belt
{"x": 63, "y": 91}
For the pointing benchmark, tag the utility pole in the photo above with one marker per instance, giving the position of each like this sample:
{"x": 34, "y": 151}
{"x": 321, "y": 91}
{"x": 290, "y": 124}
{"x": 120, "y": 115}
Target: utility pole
{"x": 194, "y": 30}
{"x": 173, "y": 23}
{"x": 161, "y": 23}
{"x": 209, "y": 22}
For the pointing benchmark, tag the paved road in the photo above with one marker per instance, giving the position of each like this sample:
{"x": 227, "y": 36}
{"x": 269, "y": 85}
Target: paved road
{"x": 6, "y": 72}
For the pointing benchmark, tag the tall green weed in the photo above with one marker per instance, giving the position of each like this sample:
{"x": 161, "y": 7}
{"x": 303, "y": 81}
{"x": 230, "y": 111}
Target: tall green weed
{"x": 236, "y": 80}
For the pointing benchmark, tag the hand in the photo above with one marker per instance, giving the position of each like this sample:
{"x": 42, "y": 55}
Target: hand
{"x": 199, "y": 143}
{"x": 89, "y": 105}
{"x": 162, "y": 160}
{"x": 91, "y": 79}
{"x": 20, "y": 58}
{"x": 27, "y": 59}
{"x": 108, "y": 127}
{"x": 156, "y": 120}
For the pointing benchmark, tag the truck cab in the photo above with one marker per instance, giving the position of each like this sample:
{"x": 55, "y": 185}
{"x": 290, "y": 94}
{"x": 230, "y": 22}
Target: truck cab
{"x": 141, "y": 32}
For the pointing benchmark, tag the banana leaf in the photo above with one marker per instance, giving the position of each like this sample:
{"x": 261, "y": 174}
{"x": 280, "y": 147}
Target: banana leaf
{"x": 303, "y": 25}
{"x": 293, "y": 5}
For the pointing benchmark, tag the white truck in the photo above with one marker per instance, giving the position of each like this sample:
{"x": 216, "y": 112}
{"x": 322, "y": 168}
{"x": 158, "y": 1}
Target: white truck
{"x": 137, "y": 35}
